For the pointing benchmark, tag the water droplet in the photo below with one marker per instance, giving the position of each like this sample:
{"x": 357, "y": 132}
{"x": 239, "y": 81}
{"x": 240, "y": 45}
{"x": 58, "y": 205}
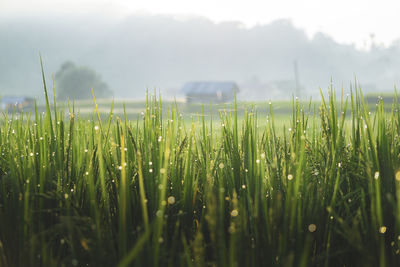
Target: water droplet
{"x": 290, "y": 177}
{"x": 159, "y": 213}
{"x": 171, "y": 200}
{"x": 234, "y": 213}
{"x": 382, "y": 229}
{"x": 312, "y": 228}
{"x": 376, "y": 175}
{"x": 397, "y": 176}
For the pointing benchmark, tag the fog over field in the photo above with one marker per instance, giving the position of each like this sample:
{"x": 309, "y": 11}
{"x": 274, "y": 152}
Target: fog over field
{"x": 159, "y": 51}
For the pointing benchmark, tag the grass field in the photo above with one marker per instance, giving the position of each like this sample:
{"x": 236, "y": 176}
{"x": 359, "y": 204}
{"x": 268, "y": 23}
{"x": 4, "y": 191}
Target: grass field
{"x": 318, "y": 187}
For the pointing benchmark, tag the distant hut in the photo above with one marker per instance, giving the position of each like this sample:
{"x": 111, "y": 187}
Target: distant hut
{"x": 17, "y": 103}
{"x": 206, "y": 92}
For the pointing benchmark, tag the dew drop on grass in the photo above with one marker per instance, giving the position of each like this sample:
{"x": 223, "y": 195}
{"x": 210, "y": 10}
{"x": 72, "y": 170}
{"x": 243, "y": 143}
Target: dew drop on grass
{"x": 221, "y": 165}
{"x": 312, "y": 228}
{"x": 382, "y": 229}
{"x": 150, "y": 170}
{"x": 171, "y": 200}
{"x": 244, "y": 186}
{"x": 376, "y": 175}
{"x": 159, "y": 213}
{"x": 234, "y": 213}
{"x": 290, "y": 177}
{"x": 397, "y": 176}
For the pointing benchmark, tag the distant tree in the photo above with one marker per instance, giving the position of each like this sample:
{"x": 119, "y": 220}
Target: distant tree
{"x": 76, "y": 82}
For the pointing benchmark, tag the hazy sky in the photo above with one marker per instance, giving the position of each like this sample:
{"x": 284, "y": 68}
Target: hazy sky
{"x": 347, "y": 21}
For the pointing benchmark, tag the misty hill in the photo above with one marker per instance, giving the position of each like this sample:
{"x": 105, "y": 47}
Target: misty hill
{"x": 142, "y": 52}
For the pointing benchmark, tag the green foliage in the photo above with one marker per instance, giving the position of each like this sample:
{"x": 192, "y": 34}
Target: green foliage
{"x": 75, "y": 82}
{"x": 160, "y": 192}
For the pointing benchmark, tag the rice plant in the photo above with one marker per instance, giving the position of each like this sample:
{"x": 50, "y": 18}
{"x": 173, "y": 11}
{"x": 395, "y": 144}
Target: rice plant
{"x": 159, "y": 191}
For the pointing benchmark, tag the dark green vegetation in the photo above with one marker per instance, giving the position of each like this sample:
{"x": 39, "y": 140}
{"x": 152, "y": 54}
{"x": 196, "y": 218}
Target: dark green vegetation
{"x": 157, "y": 191}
